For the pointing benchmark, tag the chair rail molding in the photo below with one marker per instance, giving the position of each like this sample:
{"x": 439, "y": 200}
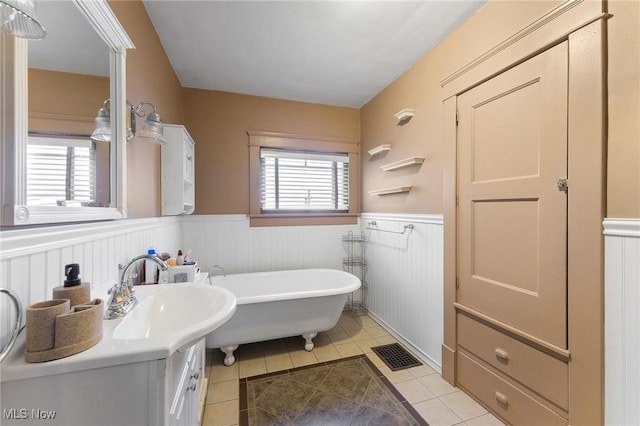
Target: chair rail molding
{"x": 622, "y": 321}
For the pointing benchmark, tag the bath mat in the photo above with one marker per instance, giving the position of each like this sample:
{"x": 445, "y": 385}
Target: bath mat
{"x": 347, "y": 391}
{"x": 396, "y": 357}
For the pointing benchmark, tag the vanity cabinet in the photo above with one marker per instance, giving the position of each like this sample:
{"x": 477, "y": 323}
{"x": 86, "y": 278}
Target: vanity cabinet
{"x": 187, "y": 385}
{"x": 178, "y": 171}
{"x": 167, "y": 391}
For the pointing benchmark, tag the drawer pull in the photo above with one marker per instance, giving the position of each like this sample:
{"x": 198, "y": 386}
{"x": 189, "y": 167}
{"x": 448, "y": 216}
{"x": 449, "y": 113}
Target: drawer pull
{"x": 502, "y": 399}
{"x": 501, "y": 354}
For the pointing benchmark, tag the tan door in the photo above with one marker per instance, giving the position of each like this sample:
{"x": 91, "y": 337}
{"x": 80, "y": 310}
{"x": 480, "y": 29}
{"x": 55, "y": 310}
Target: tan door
{"x": 512, "y": 218}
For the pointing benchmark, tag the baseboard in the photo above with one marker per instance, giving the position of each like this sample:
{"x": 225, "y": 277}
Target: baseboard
{"x": 426, "y": 359}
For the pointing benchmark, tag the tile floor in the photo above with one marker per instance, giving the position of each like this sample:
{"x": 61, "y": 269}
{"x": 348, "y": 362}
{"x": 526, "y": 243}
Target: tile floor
{"x": 438, "y": 403}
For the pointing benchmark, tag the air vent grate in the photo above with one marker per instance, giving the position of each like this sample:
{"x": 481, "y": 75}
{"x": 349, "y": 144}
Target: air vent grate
{"x": 396, "y": 357}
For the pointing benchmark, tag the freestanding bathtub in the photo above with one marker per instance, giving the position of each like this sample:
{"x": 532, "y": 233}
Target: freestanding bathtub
{"x": 273, "y": 305}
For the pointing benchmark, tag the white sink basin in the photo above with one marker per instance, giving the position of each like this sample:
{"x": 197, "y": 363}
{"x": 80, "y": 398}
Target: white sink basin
{"x": 187, "y": 311}
{"x": 168, "y": 317}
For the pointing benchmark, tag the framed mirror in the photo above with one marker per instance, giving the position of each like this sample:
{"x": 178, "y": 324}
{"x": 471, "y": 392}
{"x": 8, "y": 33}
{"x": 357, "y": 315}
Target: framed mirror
{"x": 51, "y": 90}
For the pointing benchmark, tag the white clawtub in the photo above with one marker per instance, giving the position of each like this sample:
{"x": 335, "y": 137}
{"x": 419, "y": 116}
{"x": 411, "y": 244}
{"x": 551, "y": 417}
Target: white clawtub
{"x": 272, "y": 305}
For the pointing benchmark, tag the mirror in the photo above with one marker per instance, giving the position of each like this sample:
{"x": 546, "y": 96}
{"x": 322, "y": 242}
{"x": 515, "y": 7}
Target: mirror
{"x": 69, "y": 75}
{"x": 68, "y": 80}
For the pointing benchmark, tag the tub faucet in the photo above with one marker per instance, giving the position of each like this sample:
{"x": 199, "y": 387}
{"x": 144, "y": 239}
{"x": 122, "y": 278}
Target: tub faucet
{"x": 212, "y": 269}
{"x": 122, "y": 295}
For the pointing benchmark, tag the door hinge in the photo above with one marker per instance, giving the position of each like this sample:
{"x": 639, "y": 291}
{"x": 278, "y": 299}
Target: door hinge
{"x": 563, "y": 185}
{"x": 457, "y": 117}
{"x": 457, "y": 200}
{"x": 457, "y": 282}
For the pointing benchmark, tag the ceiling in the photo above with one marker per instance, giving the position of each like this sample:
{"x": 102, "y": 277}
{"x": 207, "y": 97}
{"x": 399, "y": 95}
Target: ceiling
{"x": 71, "y": 44}
{"x": 329, "y": 52}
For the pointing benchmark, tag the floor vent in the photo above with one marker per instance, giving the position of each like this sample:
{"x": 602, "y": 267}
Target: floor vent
{"x": 396, "y": 357}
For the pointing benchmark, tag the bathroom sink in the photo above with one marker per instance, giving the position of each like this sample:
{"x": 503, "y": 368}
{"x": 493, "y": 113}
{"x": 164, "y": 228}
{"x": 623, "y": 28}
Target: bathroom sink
{"x": 167, "y": 318}
{"x": 187, "y": 312}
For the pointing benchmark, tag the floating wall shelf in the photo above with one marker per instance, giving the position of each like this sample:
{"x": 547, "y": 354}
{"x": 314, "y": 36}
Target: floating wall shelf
{"x": 406, "y": 162}
{"x": 378, "y": 149}
{"x": 394, "y": 190}
{"x": 405, "y": 114}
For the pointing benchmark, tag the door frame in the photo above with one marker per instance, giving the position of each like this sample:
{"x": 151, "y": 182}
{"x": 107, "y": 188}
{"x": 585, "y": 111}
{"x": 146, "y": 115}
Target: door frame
{"x": 583, "y": 25}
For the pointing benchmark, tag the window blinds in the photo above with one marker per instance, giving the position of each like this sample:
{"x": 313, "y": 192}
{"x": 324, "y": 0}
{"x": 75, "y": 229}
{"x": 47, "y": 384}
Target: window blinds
{"x": 60, "y": 170}
{"x": 295, "y": 181}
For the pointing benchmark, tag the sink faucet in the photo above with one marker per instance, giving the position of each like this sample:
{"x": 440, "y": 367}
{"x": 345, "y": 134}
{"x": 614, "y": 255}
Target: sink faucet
{"x": 122, "y": 295}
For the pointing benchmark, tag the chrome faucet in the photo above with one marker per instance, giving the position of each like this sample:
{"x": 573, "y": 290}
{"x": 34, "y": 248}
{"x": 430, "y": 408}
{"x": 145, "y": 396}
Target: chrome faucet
{"x": 122, "y": 295}
{"x": 212, "y": 269}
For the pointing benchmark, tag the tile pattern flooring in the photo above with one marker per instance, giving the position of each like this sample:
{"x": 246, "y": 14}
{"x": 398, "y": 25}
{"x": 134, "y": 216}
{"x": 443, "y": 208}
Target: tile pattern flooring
{"x": 432, "y": 397}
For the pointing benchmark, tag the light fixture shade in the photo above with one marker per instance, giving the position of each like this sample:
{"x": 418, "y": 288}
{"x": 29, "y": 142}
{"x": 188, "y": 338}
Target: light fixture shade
{"x": 18, "y": 18}
{"x": 102, "y": 130}
{"x": 153, "y": 130}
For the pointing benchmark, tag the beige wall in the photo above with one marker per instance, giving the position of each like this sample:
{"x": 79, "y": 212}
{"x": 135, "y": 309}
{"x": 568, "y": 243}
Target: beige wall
{"x": 419, "y": 88}
{"x": 68, "y": 103}
{"x": 64, "y": 102}
{"x": 150, "y": 77}
{"x": 623, "y": 165}
{"x": 218, "y": 122}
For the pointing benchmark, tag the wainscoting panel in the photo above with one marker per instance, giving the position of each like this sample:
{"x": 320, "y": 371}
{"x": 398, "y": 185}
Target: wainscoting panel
{"x": 405, "y": 276}
{"x": 32, "y": 260}
{"x": 622, "y": 321}
{"x": 228, "y": 240}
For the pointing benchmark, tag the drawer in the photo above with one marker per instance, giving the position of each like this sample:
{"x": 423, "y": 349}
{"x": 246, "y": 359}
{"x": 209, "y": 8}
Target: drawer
{"x": 542, "y": 373}
{"x": 504, "y": 399}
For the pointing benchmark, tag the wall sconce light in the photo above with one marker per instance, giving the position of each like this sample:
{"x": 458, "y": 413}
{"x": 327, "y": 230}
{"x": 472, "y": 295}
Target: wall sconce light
{"x": 152, "y": 129}
{"x": 18, "y": 18}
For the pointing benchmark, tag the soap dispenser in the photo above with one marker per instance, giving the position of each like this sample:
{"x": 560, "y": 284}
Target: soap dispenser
{"x": 74, "y": 290}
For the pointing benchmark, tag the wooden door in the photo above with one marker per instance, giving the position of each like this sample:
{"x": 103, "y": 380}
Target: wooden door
{"x": 512, "y": 218}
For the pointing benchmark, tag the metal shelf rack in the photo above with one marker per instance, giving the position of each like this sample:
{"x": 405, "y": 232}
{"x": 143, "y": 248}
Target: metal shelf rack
{"x": 356, "y": 263}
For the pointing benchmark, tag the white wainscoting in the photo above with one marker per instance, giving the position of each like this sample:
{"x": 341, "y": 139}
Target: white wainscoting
{"x": 622, "y": 321}
{"x": 228, "y": 240}
{"x": 404, "y": 273}
{"x": 405, "y": 277}
{"x": 32, "y": 260}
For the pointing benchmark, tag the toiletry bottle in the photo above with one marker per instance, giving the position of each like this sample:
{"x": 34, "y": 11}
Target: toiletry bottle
{"x": 150, "y": 269}
{"x": 74, "y": 290}
{"x": 180, "y": 258}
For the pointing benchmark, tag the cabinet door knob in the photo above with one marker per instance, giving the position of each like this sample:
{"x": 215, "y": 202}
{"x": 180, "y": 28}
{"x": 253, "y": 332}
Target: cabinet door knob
{"x": 501, "y": 354}
{"x": 189, "y": 157}
{"x": 192, "y": 387}
{"x": 196, "y": 375}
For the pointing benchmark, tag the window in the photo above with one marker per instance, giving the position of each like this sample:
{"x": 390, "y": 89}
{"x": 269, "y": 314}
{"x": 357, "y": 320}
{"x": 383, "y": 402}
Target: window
{"x": 294, "y": 181}
{"x": 302, "y": 180}
{"x": 60, "y": 171}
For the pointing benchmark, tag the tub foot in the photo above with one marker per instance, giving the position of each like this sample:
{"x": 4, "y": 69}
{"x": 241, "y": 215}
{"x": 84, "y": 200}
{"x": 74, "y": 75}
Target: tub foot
{"x": 309, "y": 337}
{"x": 229, "y": 359}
